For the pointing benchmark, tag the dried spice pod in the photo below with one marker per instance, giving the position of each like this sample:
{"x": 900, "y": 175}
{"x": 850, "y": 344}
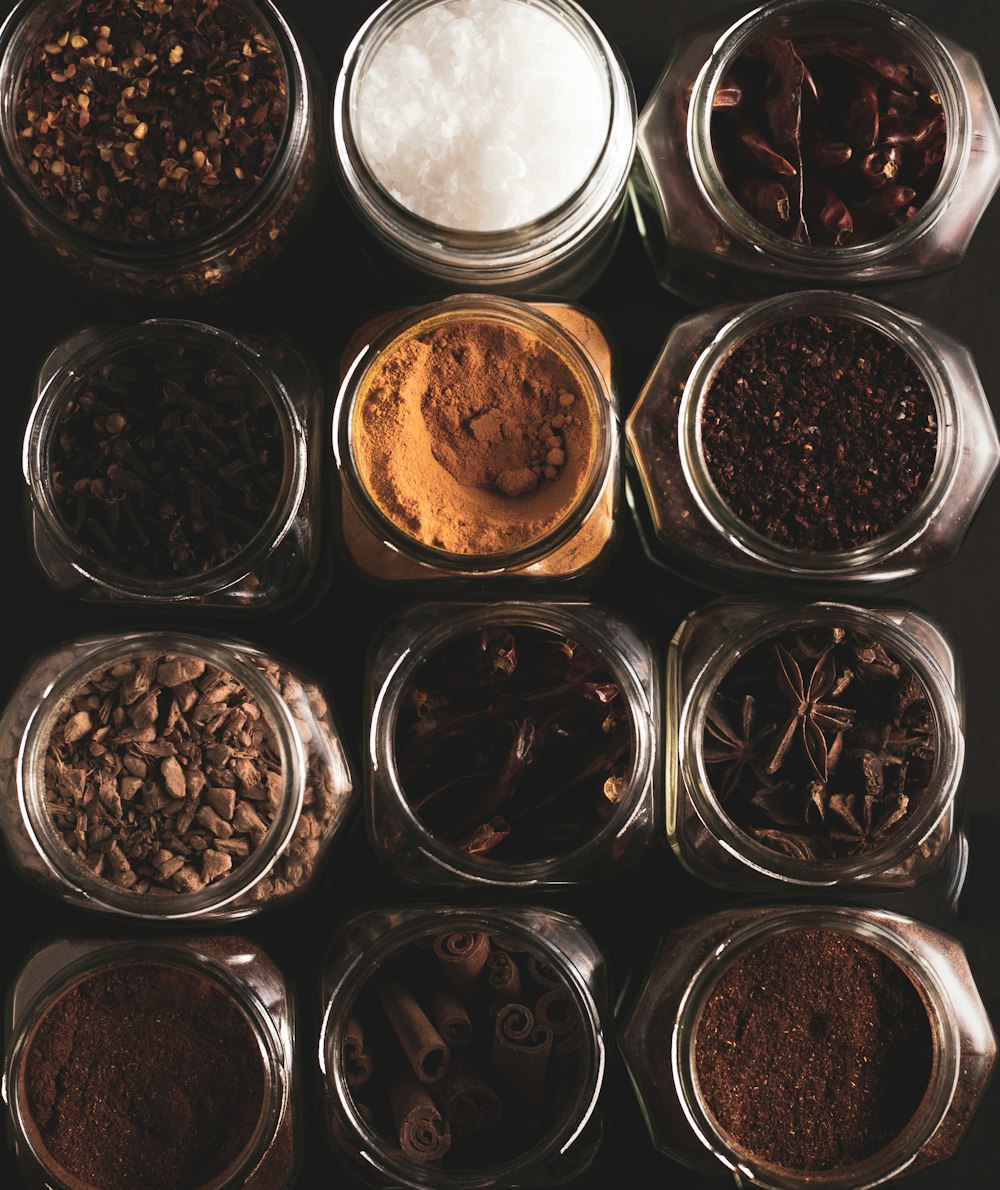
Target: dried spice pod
{"x": 826, "y": 747}
{"x": 133, "y": 201}
{"x": 493, "y": 1111}
{"x": 171, "y": 775}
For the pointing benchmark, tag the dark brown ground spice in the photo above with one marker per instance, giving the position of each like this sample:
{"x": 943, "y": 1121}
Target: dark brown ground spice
{"x": 813, "y": 1050}
{"x": 143, "y": 120}
{"x": 819, "y": 433}
{"x": 144, "y": 1076}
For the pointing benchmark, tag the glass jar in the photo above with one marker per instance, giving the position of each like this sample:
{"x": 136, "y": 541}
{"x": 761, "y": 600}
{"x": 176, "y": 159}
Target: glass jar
{"x": 166, "y": 264}
{"x": 703, "y": 833}
{"x": 571, "y": 962}
{"x": 706, "y": 247}
{"x": 499, "y": 536}
{"x": 659, "y": 1032}
{"x": 685, "y": 523}
{"x": 595, "y": 840}
{"x": 254, "y": 989}
{"x": 222, "y": 547}
{"x": 560, "y": 253}
{"x": 186, "y": 798}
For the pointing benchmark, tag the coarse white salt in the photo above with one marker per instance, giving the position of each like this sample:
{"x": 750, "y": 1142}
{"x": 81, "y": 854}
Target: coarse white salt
{"x": 482, "y": 115}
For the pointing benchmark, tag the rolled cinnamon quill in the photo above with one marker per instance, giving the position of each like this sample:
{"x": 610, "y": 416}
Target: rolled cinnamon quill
{"x": 541, "y": 972}
{"x": 469, "y": 1103}
{"x": 424, "y": 1135}
{"x": 423, "y": 1045}
{"x": 555, "y": 1009}
{"x": 450, "y": 1016}
{"x": 357, "y": 1061}
{"x": 503, "y": 975}
{"x": 521, "y": 1050}
{"x": 463, "y": 954}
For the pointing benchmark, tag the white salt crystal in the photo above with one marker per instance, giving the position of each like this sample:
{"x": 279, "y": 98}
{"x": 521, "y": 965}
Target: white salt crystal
{"x": 481, "y": 115}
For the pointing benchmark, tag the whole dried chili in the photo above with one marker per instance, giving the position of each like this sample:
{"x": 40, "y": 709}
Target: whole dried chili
{"x": 835, "y": 747}
{"x": 827, "y": 139}
{"x": 513, "y": 742}
{"x": 143, "y": 121}
{"x": 819, "y": 433}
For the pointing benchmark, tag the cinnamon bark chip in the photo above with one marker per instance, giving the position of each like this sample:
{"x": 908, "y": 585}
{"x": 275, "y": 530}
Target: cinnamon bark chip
{"x": 521, "y": 1050}
{"x": 423, "y": 1134}
{"x": 424, "y": 1047}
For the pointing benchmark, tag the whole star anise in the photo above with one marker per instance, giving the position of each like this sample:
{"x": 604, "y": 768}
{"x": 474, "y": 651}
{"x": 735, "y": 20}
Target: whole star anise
{"x": 812, "y": 717}
{"x": 733, "y": 753}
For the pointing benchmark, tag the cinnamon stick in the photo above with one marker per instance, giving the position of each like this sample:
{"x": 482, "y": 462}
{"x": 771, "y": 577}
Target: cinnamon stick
{"x": 423, "y": 1045}
{"x": 450, "y": 1015}
{"x": 521, "y": 1050}
{"x": 424, "y": 1135}
{"x": 357, "y": 1061}
{"x": 463, "y": 954}
{"x": 469, "y": 1103}
{"x": 542, "y": 972}
{"x": 555, "y": 1009}
{"x": 503, "y": 975}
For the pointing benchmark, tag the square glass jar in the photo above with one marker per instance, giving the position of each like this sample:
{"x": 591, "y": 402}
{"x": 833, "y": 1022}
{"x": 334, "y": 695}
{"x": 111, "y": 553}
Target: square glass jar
{"x": 804, "y": 850}
{"x": 542, "y": 945}
{"x": 687, "y": 525}
{"x": 707, "y": 247}
{"x": 145, "y": 487}
{"x": 608, "y": 814}
{"x": 408, "y": 518}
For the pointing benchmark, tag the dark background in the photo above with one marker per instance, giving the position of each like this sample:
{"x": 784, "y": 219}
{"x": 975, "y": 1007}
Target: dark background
{"x": 320, "y": 291}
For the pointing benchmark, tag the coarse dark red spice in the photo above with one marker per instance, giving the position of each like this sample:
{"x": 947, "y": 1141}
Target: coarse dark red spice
{"x": 813, "y": 1050}
{"x": 143, "y": 1076}
{"x": 820, "y": 433}
{"x": 147, "y": 121}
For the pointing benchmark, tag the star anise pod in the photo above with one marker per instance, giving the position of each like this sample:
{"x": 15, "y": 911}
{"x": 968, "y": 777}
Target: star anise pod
{"x": 735, "y": 753}
{"x": 812, "y": 717}
{"x": 865, "y": 821}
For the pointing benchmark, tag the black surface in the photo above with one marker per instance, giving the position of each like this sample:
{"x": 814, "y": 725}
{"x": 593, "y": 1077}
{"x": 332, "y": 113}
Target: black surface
{"x": 321, "y": 290}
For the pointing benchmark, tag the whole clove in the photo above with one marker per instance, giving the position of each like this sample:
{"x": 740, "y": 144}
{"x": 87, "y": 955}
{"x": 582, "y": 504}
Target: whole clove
{"x": 829, "y": 140}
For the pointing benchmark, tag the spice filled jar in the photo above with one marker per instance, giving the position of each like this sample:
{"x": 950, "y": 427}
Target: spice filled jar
{"x": 170, "y": 776}
{"x": 511, "y": 744}
{"x": 464, "y": 1047}
{"x": 133, "y": 202}
{"x": 476, "y": 440}
{"x": 816, "y": 440}
{"x": 811, "y": 143}
{"x": 506, "y": 168}
{"x": 814, "y": 746}
{"x": 191, "y": 1042}
{"x": 751, "y": 1022}
{"x": 174, "y": 464}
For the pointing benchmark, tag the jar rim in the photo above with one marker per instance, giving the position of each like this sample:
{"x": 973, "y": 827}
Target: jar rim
{"x": 164, "y": 953}
{"x": 808, "y": 259}
{"x": 108, "y": 343}
{"x": 102, "y": 894}
{"x": 520, "y": 315}
{"x": 169, "y": 255}
{"x": 942, "y": 787}
{"x": 351, "y": 977}
{"x": 883, "y": 932}
{"x": 550, "y": 616}
{"x": 466, "y": 255}
{"x": 901, "y": 330}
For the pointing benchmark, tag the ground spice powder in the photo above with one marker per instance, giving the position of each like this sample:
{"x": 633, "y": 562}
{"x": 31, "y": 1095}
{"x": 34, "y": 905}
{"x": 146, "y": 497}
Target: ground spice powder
{"x": 813, "y": 1050}
{"x": 143, "y": 1076}
{"x": 473, "y": 436}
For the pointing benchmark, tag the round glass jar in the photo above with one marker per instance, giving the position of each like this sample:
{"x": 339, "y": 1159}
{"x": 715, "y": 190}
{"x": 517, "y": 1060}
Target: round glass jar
{"x": 687, "y": 525}
{"x": 180, "y": 507}
{"x": 610, "y": 818}
{"x": 220, "y": 970}
{"x": 800, "y": 853}
{"x": 227, "y": 810}
{"x": 559, "y": 253}
{"x": 660, "y": 1030}
{"x": 561, "y": 953}
{"x": 706, "y": 246}
{"x": 409, "y": 517}
{"x": 142, "y": 258}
